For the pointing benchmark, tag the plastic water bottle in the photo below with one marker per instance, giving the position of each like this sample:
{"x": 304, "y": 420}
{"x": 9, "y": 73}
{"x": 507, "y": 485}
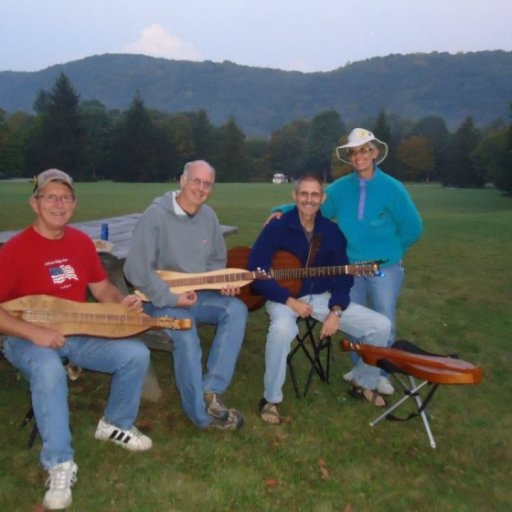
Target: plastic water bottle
{"x": 104, "y": 231}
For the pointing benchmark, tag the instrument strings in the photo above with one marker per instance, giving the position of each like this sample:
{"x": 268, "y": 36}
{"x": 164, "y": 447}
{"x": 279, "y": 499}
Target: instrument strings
{"x": 211, "y": 279}
{"x": 104, "y": 318}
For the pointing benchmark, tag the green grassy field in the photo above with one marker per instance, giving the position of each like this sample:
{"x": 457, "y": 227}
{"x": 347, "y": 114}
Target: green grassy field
{"x": 457, "y": 298}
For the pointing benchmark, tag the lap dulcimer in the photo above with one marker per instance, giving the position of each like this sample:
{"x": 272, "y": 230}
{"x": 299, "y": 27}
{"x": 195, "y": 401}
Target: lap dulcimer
{"x": 107, "y": 320}
{"x": 433, "y": 368}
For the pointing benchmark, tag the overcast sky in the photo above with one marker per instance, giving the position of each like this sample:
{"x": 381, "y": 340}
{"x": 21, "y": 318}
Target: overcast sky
{"x": 303, "y": 35}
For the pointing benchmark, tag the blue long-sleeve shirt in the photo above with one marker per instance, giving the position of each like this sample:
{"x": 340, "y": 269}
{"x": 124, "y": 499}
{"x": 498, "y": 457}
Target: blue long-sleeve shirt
{"x": 286, "y": 234}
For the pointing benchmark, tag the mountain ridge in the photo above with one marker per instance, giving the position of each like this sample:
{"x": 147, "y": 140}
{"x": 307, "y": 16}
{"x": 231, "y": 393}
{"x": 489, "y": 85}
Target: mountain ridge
{"x": 412, "y": 86}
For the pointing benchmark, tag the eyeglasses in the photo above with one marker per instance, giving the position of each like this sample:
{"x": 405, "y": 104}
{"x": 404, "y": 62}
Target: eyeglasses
{"x": 361, "y": 151}
{"x": 303, "y": 195}
{"x": 207, "y": 185}
{"x": 54, "y": 198}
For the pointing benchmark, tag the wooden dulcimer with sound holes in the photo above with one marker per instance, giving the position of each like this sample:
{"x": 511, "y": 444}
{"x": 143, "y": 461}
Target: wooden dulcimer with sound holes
{"x": 107, "y": 320}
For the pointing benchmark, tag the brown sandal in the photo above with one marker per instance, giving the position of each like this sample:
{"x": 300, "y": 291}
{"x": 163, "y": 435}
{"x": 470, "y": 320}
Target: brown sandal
{"x": 269, "y": 413}
{"x": 367, "y": 394}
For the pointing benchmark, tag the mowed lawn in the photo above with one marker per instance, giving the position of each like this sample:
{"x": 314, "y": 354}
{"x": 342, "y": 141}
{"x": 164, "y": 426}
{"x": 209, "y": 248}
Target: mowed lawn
{"x": 457, "y": 298}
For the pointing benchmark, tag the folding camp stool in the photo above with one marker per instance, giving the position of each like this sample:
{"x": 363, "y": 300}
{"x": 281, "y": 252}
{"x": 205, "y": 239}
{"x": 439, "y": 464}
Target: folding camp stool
{"x": 30, "y": 414}
{"x": 412, "y": 389}
{"x": 73, "y": 373}
{"x": 308, "y": 342}
{"x": 29, "y": 417}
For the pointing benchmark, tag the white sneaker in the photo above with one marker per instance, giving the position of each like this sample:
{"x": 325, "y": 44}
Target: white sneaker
{"x": 384, "y": 387}
{"x": 60, "y": 480}
{"x": 348, "y": 376}
{"x": 131, "y": 439}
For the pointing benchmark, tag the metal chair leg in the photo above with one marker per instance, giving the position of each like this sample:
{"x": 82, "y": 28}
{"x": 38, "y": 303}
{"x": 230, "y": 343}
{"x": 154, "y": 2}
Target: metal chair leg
{"x": 312, "y": 349}
{"x": 412, "y": 392}
{"x": 26, "y": 420}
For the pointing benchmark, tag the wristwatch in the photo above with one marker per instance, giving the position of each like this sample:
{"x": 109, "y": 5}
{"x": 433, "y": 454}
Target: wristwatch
{"x": 337, "y": 311}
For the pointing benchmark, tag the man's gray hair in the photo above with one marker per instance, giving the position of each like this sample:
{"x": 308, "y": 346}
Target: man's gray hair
{"x": 188, "y": 165}
{"x": 309, "y": 177}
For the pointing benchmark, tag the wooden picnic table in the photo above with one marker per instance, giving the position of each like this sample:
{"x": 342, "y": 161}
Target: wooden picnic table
{"x": 120, "y": 231}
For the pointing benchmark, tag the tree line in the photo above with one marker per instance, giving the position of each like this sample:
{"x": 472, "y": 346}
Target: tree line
{"x": 147, "y": 145}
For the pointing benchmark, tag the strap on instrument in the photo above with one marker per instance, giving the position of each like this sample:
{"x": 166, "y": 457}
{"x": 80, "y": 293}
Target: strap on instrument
{"x": 424, "y": 403}
{"x": 313, "y": 249}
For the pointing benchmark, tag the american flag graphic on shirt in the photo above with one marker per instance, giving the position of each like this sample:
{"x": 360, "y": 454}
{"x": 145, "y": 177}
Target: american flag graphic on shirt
{"x": 62, "y": 273}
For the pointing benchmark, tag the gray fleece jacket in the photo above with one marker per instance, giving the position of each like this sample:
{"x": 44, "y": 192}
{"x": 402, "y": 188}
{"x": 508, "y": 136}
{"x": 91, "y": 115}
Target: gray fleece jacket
{"x": 166, "y": 238}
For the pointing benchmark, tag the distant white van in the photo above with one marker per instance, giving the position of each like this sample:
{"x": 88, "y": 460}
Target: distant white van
{"x": 280, "y": 178}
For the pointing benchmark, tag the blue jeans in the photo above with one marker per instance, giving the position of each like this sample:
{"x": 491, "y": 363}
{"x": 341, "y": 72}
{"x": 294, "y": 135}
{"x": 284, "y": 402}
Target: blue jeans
{"x": 359, "y": 322}
{"x": 127, "y": 360}
{"x": 380, "y": 293}
{"x": 229, "y": 314}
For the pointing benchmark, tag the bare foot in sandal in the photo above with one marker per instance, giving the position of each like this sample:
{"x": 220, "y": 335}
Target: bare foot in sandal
{"x": 369, "y": 394}
{"x": 269, "y": 412}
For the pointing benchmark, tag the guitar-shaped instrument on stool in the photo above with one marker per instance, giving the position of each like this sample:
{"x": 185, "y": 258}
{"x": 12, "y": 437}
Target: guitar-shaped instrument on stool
{"x": 107, "y": 320}
{"x": 436, "y": 369}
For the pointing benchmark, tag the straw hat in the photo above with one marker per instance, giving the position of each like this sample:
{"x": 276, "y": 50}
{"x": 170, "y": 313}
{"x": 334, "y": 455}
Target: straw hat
{"x": 358, "y": 137}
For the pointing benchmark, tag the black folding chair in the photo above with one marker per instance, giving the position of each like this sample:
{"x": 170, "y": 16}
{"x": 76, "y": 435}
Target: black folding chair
{"x": 308, "y": 342}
